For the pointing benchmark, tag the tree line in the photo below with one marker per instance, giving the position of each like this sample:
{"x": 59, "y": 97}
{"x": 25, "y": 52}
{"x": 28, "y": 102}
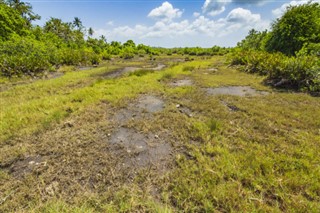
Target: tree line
{"x": 26, "y": 49}
{"x": 289, "y": 54}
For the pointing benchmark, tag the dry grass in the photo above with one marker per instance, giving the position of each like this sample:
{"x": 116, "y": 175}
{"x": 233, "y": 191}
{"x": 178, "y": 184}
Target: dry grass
{"x": 227, "y": 153}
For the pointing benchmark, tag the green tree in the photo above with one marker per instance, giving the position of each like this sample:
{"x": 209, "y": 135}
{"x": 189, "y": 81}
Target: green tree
{"x": 129, "y": 43}
{"x": 24, "y": 9}
{"x": 254, "y": 40}
{"x": 10, "y": 22}
{"x": 90, "y": 31}
{"x": 298, "y": 26}
{"x": 77, "y": 23}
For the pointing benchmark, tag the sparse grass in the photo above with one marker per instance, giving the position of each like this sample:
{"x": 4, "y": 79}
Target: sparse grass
{"x": 261, "y": 158}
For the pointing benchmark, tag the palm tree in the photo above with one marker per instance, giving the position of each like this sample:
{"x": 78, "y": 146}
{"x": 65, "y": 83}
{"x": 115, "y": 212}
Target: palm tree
{"x": 77, "y": 23}
{"x": 90, "y": 31}
{"x": 103, "y": 38}
{"x": 25, "y": 10}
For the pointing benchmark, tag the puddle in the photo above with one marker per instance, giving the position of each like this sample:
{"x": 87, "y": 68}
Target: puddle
{"x": 140, "y": 109}
{"x": 150, "y": 104}
{"x": 27, "y": 166}
{"x": 235, "y": 90}
{"x": 180, "y": 83}
{"x": 139, "y": 150}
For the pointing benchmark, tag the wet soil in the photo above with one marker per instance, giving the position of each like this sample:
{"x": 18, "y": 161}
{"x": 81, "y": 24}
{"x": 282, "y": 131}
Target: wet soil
{"x": 119, "y": 72}
{"x": 180, "y": 83}
{"x": 241, "y": 91}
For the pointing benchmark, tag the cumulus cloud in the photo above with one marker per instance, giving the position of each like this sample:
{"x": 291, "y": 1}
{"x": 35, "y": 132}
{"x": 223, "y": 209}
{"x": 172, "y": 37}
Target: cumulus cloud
{"x": 110, "y": 23}
{"x": 196, "y": 14}
{"x": 216, "y": 7}
{"x": 278, "y": 12}
{"x": 196, "y": 32}
{"x": 241, "y": 15}
{"x": 249, "y": 1}
{"x": 165, "y": 12}
{"x": 212, "y": 7}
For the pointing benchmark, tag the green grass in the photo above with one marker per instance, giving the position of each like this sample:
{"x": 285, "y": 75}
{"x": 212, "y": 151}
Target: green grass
{"x": 262, "y": 158}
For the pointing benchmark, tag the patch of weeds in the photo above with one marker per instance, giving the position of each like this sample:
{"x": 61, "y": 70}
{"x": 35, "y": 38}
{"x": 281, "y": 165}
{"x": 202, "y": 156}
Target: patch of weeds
{"x": 188, "y": 68}
{"x": 140, "y": 73}
{"x": 66, "y": 68}
{"x": 213, "y": 125}
{"x": 166, "y": 76}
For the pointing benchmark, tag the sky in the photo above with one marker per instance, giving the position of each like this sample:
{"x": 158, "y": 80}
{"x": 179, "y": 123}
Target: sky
{"x": 168, "y": 23}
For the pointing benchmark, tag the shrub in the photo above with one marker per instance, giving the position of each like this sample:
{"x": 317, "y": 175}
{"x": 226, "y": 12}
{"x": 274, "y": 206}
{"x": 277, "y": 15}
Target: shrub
{"x": 25, "y": 56}
{"x": 302, "y": 72}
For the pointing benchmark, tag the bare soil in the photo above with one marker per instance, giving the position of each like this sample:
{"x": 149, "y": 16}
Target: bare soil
{"x": 236, "y": 91}
{"x": 180, "y": 83}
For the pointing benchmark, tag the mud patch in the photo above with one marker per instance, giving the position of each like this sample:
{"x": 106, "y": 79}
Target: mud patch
{"x": 159, "y": 67}
{"x": 181, "y": 83}
{"x": 27, "y": 166}
{"x": 236, "y": 91}
{"x": 141, "y": 109}
{"x": 139, "y": 150}
{"x": 150, "y": 104}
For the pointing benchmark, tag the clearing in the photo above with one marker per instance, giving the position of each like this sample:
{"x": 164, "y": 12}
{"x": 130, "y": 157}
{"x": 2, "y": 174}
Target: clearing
{"x": 157, "y": 136}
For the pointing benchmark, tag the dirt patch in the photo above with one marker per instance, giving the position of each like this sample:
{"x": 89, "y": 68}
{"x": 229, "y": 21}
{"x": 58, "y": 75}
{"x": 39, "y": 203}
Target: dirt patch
{"x": 235, "y": 90}
{"x": 150, "y": 104}
{"x": 181, "y": 83}
{"x": 47, "y": 76}
{"x": 159, "y": 67}
{"x": 142, "y": 108}
{"x": 27, "y": 166}
{"x": 138, "y": 150}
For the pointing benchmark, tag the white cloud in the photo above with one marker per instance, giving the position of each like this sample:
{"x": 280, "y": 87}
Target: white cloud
{"x": 165, "y": 12}
{"x": 241, "y": 15}
{"x": 216, "y": 7}
{"x": 196, "y": 14}
{"x": 212, "y": 7}
{"x": 200, "y": 31}
{"x": 278, "y": 12}
{"x": 110, "y": 23}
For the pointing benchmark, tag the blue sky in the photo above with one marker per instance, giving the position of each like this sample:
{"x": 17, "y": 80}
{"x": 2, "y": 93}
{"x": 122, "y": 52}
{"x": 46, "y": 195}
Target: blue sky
{"x": 175, "y": 23}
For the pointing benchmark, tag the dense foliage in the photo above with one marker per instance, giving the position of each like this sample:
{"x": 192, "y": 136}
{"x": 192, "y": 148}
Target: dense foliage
{"x": 289, "y": 53}
{"x": 300, "y": 25}
{"x": 302, "y": 72}
{"x": 31, "y": 50}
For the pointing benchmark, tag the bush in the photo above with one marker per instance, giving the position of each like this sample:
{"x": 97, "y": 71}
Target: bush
{"x": 301, "y": 72}
{"x": 26, "y": 56}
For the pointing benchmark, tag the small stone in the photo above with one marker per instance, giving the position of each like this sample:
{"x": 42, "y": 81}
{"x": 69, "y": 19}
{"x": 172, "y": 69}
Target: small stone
{"x": 68, "y": 124}
{"x": 108, "y": 134}
{"x": 32, "y": 162}
{"x": 156, "y": 136}
{"x": 178, "y": 105}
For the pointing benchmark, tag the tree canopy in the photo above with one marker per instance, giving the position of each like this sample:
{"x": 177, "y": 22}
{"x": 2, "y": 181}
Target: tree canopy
{"x": 298, "y": 26}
